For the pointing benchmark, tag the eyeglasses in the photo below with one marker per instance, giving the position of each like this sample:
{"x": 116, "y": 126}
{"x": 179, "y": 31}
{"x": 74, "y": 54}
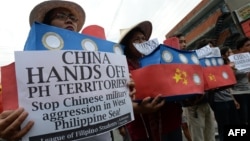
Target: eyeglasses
{"x": 63, "y": 16}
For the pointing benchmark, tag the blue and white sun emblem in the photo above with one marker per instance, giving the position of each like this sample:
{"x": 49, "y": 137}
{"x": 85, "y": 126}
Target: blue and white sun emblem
{"x": 89, "y": 45}
{"x": 52, "y": 41}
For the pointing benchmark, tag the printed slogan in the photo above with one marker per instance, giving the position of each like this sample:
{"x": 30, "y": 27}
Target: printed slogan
{"x": 241, "y": 61}
{"x": 73, "y": 94}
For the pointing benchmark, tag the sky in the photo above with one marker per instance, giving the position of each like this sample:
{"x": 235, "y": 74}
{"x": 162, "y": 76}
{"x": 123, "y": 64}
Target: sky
{"x": 112, "y": 15}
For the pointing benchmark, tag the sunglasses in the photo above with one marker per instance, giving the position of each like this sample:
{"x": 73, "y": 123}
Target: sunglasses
{"x": 63, "y": 16}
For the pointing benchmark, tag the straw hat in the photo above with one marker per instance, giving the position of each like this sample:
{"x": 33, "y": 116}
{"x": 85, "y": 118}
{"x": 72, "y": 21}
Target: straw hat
{"x": 145, "y": 26}
{"x": 39, "y": 11}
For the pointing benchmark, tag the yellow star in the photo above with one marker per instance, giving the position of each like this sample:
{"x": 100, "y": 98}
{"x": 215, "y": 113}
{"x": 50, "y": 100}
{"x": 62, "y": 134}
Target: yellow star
{"x": 185, "y": 82}
{"x": 184, "y": 74}
{"x": 177, "y": 77}
{"x": 177, "y": 70}
{"x": 180, "y": 76}
{"x": 211, "y": 77}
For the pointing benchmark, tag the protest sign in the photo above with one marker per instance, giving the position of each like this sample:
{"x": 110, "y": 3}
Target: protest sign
{"x": 218, "y": 76}
{"x": 241, "y": 61}
{"x": 207, "y": 51}
{"x": 166, "y": 70}
{"x": 72, "y": 94}
{"x": 147, "y": 47}
{"x": 167, "y": 79}
{"x": 46, "y": 37}
{"x": 172, "y": 42}
{"x": 204, "y": 51}
{"x": 215, "y": 52}
{"x": 216, "y": 73}
{"x": 169, "y": 55}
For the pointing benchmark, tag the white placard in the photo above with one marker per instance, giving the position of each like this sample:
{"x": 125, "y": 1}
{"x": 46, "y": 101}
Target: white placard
{"x": 147, "y": 47}
{"x": 204, "y": 51}
{"x": 215, "y": 52}
{"x": 72, "y": 94}
{"x": 207, "y": 52}
{"x": 241, "y": 61}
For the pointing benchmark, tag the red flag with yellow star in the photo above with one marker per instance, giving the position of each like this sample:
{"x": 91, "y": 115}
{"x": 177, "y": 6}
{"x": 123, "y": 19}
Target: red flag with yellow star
{"x": 170, "y": 80}
{"x": 218, "y": 76}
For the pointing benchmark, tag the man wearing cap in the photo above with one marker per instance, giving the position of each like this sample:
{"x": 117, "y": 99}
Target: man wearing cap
{"x": 62, "y": 14}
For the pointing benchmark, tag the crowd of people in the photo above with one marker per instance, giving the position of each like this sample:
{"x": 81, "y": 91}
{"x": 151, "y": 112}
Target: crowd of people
{"x": 155, "y": 118}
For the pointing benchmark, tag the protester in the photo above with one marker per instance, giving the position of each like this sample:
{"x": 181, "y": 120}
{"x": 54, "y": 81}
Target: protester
{"x": 162, "y": 124}
{"x": 184, "y": 123}
{"x": 223, "y": 102}
{"x": 199, "y": 113}
{"x": 62, "y": 14}
{"x": 225, "y": 53}
{"x": 241, "y": 89}
{"x": 182, "y": 41}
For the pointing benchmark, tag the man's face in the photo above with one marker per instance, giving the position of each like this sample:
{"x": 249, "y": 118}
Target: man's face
{"x": 182, "y": 42}
{"x": 63, "y": 18}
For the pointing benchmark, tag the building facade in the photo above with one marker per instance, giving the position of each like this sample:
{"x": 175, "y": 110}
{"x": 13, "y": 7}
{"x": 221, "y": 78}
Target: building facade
{"x": 225, "y": 21}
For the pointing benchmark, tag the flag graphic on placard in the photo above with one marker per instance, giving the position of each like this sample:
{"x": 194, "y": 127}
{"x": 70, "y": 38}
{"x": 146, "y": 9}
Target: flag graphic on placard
{"x": 45, "y": 37}
{"x": 170, "y": 80}
{"x": 168, "y": 55}
{"x": 175, "y": 74}
{"x": 218, "y": 76}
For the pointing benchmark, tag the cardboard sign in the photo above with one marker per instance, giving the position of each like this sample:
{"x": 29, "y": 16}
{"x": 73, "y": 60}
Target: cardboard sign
{"x": 168, "y": 55}
{"x": 188, "y": 62}
{"x": 45, "y": 37}
{"x": 9, "y": 87}
{"x": 173, "y": 81}
{"x": 207, "y": 51}
{"x": 147, "y": 47}
{"x": 172, "y": 42}
{"x": 94, "y": 30}
{"x": 218, "y": 76}
{"x": 62, "y": 97}
{"x": 215, "y": 52}
{"x": 73, "y": 94}
{"x": 204, "y": 51}
{"x": 241, "y": 61}
{"x": 211, "y": 61}
{"x": 166, "y": 70}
